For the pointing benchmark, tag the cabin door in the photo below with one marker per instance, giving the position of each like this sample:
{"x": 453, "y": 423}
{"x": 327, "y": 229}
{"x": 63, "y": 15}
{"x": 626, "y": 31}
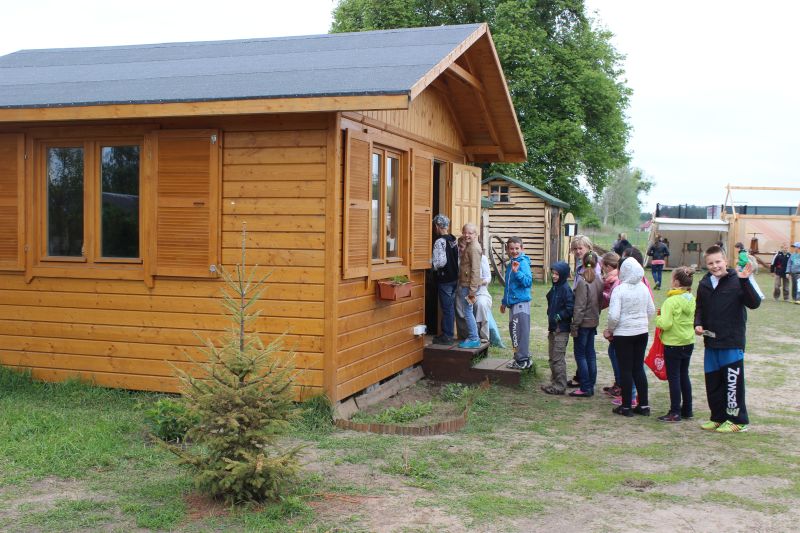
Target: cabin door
{"x": 465, "y": 197}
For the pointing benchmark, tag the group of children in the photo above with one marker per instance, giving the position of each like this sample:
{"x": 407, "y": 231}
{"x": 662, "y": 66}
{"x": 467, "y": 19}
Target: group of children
{"x": 462, "y": 277}
{"x": 717, "y": 313}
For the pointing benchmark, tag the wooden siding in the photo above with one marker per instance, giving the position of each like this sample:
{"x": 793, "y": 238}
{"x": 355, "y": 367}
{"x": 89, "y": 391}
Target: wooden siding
{"x": 524, "y": 216}
{"x": 429, "y": 116}
{"x": 123, "y": 334}
{"x": 375, "y": 338}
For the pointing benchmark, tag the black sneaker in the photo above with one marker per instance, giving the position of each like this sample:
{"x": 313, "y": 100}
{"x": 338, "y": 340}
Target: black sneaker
{"x": 443, "y": 339}
{"x": 624, "y": 411}
{"x": 670, "y": 417}
{"x": 639, "y": 410}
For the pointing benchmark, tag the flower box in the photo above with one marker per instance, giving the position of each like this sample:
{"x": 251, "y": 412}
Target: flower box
{"x": 394, "y": 289}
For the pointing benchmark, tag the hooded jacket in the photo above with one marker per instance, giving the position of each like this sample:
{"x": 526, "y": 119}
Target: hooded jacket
{"x": 588, "y": 297}
{"x": 560, "y": 300}
{"x": 518, "y": 284}
{"x": 722, "y": 310}
{"x": 631, "y": 305}
{"x": 677, "y": 318}
{"x": 780, "y": 263}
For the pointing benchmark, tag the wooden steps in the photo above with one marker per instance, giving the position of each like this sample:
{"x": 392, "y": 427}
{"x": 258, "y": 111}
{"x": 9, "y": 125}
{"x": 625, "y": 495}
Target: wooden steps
{"x": 453, "y": 364}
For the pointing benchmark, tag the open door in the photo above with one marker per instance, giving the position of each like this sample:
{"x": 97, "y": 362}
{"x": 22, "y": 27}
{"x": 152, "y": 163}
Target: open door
{"x": 465, "y": 197}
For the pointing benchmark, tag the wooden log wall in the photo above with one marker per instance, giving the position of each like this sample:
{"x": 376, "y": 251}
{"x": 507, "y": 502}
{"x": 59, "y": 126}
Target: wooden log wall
{"x": 123, "y": 334}
{"x": 524, "y": 216}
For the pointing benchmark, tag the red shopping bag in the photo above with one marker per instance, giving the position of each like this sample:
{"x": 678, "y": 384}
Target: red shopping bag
{"x": 655, "y": 357}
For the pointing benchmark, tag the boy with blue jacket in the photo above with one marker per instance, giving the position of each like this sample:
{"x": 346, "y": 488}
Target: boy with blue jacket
{"x": 560, "y": 304}
{"x": 517, "y": 298}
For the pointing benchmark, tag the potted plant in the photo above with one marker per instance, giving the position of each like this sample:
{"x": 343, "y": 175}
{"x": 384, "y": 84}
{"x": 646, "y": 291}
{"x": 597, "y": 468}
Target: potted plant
{"x": 394, "y": 288}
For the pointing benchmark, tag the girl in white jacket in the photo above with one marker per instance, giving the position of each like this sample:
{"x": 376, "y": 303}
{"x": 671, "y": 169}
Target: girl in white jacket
{"x": 629, "y": 314}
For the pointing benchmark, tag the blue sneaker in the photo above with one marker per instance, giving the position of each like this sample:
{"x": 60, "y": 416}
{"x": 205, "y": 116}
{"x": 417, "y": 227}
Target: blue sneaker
{"x": 469, "y": 344}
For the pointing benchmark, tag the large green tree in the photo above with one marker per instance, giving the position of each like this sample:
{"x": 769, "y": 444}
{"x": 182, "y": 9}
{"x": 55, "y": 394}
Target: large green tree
{"x": 563, "y": 73}
{"x": 620, "y": 203}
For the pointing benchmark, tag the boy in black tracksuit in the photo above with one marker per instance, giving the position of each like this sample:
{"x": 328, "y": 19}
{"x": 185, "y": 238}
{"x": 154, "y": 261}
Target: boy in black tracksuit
{"x": 720, "y": 316}
{"x": 779, "y": 265}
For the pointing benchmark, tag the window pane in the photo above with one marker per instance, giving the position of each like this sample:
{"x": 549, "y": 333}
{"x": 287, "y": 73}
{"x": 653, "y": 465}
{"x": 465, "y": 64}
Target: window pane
{"x": 392, "y": 204}
{"x": 119, "y": 171}
{"x": 64, "y": 201}
{"x": 376, "y": 205}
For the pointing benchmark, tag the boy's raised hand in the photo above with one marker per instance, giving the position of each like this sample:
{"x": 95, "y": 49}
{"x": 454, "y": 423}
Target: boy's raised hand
{"x": 514, "y": 266}
{"x": 746, "y": 271}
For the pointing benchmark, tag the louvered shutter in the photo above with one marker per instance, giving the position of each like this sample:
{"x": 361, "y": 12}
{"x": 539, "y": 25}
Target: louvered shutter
{"x": 12, "y": 171}
{"x": 421, "y": 210}
{"x": 186, "y": 190}
{"x": 356, "y": 246}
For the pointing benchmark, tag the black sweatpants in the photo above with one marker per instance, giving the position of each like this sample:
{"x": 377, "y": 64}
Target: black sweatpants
{"x": 725, "y": 392}
{"x": 630, "y": 356}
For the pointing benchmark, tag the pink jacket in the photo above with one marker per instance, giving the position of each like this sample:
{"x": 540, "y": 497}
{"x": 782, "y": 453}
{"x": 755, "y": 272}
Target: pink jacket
{"x": 609, "y": 282}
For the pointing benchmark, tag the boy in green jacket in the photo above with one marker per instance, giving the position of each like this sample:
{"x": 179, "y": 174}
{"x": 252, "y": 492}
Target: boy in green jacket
{"x": 677, "y": 333}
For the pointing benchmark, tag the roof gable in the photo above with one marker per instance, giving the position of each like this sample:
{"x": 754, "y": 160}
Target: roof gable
{"x": 550, "y": 199}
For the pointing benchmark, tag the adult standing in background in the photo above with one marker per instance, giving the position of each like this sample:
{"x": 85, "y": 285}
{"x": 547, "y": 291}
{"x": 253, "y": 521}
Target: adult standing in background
{"x": 622, "y": 244}
{"x": 779, "y": 267}
{"x": 794, "y": 270}
{"x": 658, "y": 253}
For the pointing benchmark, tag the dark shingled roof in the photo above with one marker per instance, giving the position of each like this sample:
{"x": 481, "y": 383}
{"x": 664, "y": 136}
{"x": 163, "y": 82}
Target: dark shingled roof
{"x": 367, "y": 63}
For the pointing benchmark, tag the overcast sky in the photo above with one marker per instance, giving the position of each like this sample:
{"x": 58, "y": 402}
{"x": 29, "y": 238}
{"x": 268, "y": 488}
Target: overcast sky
{"x": 715, "y": 83}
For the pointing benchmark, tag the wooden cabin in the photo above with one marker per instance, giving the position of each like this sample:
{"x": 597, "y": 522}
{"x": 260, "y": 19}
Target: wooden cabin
{"x": 127, "y": 174}
{"x": 523, "y": 210}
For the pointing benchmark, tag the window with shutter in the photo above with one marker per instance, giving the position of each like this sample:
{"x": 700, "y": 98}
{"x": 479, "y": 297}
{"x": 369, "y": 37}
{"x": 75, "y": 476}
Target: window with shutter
{"x": 357, "y": 205}
{"x": 421, "y": 202}
{"x": 11, "y": 199}
{"x": 186, "y": 213}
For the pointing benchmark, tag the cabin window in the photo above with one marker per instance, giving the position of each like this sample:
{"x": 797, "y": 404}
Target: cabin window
{"x": 499, "y": 194}
{"x": 91, "y": 194}
{"x": 385, "y": 205}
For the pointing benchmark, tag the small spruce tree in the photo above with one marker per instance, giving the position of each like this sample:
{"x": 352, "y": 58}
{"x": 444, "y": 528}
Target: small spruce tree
{"x": 244, "y": 403}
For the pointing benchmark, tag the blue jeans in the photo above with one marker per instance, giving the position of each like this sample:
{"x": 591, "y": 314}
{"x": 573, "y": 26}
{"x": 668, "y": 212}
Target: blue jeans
{"x": 612, "y": 356}
{"x": 472, "y": 326}
{"x": 586, "y": 358}
{"x": 677, "y": 360}
{"x": 657, "y": 270}
{"x": 447, "y": 301}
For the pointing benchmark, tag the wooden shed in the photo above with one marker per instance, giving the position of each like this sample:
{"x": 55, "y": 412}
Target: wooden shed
{"x": 523, "y": 210}
{"x": 127, "y": 173}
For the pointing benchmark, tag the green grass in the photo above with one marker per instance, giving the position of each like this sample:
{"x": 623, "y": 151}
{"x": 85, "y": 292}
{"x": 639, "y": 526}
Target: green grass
{"x": 523, "y": 455}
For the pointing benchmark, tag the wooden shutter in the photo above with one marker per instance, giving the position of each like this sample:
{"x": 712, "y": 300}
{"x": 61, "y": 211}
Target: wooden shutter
{"x": 186, "y": 190}
{"x": 466, "y": 197}
{"x": 357, "y": 209}
{"x": 421, "y": 209}
{"x": 12, "y": 174}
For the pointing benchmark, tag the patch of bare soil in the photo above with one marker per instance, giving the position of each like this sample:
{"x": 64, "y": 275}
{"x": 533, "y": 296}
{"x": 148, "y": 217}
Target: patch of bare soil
{"x": 200, "y": 506}
{"x": 45, "y": 494}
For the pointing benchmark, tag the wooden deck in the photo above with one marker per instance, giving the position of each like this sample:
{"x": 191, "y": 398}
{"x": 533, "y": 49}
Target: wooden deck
{"x": 453, "y": 364}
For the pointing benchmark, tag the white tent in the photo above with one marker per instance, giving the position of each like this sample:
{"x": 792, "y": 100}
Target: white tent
{"x": 689, "y": 237}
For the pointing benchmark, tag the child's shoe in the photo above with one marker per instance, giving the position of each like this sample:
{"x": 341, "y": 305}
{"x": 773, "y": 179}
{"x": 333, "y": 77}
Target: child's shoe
{"x": 469, "y": 344}
{"x": 670, "y": 417}
{"x": 624, "y": 411}
{"x": 641, "y": 410}
{"x": 710, "y": 425}
{"x": 519, "y": 365}
{"x": 578, "y": 393}
{"x": 617, "y": 400}
{"x": 730, "y": 427}
{"x": 443, "y": 340}
{"x": 549, "y": 389}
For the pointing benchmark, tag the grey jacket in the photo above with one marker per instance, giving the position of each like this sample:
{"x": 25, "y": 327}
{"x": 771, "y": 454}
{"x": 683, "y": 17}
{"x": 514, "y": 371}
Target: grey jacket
{"x": 587, "y": 303}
